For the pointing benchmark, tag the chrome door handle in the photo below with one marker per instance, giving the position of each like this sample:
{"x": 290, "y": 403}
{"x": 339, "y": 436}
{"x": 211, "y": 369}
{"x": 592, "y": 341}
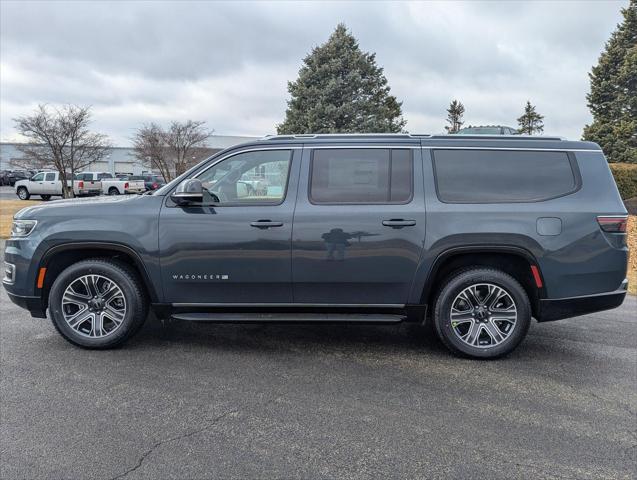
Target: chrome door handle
{"x": 399, "y": 223}
{"x": 265, "y": 224}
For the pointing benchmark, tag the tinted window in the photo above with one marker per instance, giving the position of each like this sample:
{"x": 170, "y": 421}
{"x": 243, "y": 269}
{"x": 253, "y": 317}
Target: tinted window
{"x": 101, "y": 176}
{"x": 361, "y": 176}
{"x": 50, "y": 177}
{"x": 492, "y": 176}
{"x": 253, "y": 178}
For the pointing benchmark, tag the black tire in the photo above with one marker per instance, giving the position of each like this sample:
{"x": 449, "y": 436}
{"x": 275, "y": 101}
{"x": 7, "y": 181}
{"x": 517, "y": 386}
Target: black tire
{"x": 45, "y": 197}
{"x": 113, "y": 191}
{"x": 454, "y": 285}
{"x": 23, "y": 193}
{"x": 125, "y": 278}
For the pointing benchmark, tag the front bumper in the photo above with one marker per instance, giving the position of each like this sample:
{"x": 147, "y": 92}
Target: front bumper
{"x": 558, "y": 309}
{"x": 32, "y": 304}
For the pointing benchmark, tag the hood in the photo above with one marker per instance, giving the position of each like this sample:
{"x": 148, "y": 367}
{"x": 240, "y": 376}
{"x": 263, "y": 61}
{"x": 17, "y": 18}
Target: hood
{"x": 95, "y": 205}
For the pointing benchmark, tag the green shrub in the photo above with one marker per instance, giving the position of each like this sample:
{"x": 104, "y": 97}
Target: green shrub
{"x": 626, "y": 178}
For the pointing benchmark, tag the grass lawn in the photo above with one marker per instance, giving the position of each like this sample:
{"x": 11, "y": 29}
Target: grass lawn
{"x": 9, "y": 207}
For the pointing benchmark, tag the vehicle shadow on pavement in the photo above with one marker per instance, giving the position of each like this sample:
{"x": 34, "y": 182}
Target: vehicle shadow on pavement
{"x": 272, "y": 337}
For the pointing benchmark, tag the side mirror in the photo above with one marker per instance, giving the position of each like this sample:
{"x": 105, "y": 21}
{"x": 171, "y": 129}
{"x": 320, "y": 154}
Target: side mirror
{"x": 187, "y": 192}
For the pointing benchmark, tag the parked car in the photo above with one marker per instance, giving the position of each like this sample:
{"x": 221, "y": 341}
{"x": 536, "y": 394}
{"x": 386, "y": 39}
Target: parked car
{"x": 4, "y": 177}
{"x": 48, "y": 184}
{"x": 112, "y": 185}
{"x": 488, "y": 130}
{"x": 17, "y": 175}
{"x": 477, "y": 236}
{"x": 151, "y": 182}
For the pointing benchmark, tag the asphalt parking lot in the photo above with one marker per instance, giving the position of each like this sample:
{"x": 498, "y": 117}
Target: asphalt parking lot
{"x": 7, "y": 193}
{"x": 252, "y": 401}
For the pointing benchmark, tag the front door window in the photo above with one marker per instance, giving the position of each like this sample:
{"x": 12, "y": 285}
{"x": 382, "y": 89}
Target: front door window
{"x": 249, "y": 178}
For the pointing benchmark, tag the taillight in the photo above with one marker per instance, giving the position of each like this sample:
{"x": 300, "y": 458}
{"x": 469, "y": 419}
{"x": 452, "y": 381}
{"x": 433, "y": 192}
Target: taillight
{"x": 80, "y": 184}
{"x": 613, "y": 223}
{"x": 126, "y": 185}
{"x": 155, "y": 186}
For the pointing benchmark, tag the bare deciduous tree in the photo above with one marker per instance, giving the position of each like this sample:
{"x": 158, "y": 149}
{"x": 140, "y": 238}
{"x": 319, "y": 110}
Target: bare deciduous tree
{"x": 170, "y": 151}
{"x": 149, "y": 147}
{"x": 60, "y": 138}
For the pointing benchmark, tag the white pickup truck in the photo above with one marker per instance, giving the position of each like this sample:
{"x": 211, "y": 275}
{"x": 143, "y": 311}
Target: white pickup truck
{"x": 48, "y": 184}
{"x": 112, "y": 185}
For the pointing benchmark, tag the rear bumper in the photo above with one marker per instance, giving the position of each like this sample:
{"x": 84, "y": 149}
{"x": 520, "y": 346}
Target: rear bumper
{"x": 561, "y": 308}
{"x": 89, "y": 192}
{"x": 32, "y": 304}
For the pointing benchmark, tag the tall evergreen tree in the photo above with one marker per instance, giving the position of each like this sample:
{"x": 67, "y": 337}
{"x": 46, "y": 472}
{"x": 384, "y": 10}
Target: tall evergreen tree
{"x": 613, "y": 96}
{"x": 454, "y": 116}
{"x": 530, "y": 122}
{"x": 340, "y": 89}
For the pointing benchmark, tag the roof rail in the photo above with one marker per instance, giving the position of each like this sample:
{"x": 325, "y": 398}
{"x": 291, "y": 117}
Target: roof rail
{"x": 496, "y": 137}
{"x": 408, "y": 135}
{"x": 339, "y": 135}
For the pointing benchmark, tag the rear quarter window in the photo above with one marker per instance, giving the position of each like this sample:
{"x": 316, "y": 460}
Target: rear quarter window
{"x": 503, "y": 176}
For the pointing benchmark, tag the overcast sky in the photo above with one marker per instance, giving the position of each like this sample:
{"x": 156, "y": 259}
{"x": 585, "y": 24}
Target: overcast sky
{"x": 229, "y": 63}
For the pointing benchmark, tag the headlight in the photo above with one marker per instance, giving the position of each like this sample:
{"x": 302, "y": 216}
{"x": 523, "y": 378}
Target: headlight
{"x": 22, "y": 228}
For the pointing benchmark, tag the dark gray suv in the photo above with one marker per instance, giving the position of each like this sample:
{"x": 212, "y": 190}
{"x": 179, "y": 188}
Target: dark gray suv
{"x": 474, "y": 234}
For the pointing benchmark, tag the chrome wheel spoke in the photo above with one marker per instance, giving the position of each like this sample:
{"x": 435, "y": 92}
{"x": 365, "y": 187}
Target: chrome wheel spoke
{"x": 116, "y": 316}
{"x": 79, "y": 318}
{"x": 94, "y": 306}
{"x": 72, "y": 296}
{"x": 470, "y": 296}
{"x": 111, "y": 292}
{"x": 97, "y": 326}
{"x": 494, "y": 332}
{"x": 461, "y": 316}
{"x": 473, "y": 334}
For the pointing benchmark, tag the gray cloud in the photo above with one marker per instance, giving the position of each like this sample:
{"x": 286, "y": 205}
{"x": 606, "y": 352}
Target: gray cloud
{"x": 228, "y": 63}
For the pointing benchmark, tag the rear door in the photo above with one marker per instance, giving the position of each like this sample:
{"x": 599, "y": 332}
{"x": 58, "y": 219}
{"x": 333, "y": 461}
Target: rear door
{"x": 50, "y": 184}
{"x": 359, "y": 225}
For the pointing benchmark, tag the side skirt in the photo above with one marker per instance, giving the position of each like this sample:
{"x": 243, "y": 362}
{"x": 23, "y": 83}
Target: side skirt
{"x": 359, "y": 314}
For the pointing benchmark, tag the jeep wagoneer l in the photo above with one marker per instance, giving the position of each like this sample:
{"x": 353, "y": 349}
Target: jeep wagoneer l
{"x": 476, "y": 234}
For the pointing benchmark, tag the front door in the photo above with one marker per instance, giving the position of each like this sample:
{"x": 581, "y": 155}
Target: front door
{"x": 359, "y": 225}
{"x": 36, "y": 186}
{"x": 235, "y": 247}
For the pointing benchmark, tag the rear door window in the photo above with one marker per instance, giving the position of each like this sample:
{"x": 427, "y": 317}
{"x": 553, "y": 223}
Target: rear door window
{"x": 361, "y": 176}
{"x": 503, "y": 176}
{"x": 50, "y": 177}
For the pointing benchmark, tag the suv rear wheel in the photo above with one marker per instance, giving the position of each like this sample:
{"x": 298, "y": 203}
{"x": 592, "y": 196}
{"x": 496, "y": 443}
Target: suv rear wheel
{"x": 482, "y": 313}
{"x": 97, "y": 303}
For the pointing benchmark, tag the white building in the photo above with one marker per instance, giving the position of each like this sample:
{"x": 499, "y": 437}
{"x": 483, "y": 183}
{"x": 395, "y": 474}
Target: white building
{"x": 120, "y": 159}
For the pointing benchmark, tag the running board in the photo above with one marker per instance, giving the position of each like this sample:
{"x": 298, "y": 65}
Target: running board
{"x": 287, "y": 317}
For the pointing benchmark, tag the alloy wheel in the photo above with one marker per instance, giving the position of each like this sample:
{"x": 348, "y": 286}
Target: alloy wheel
{"x": 94, "y": 306}
{"x": 483, "y": 315}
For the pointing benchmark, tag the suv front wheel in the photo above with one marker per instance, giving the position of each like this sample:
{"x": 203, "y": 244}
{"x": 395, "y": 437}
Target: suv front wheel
{"x": 97, "y": 303}
{"x": 482, "y": 313}
{"x": 23, "y": 193}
